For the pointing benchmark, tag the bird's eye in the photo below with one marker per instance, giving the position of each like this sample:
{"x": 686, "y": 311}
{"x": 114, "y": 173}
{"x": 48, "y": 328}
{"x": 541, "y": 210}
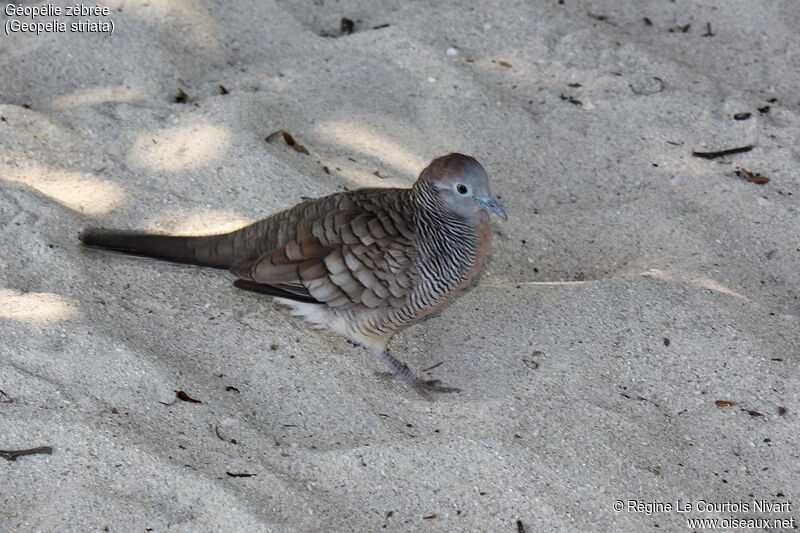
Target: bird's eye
{"x": 462, "y": 189}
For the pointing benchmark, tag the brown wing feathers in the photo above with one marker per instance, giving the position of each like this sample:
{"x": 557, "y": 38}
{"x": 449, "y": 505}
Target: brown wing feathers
{"x": 343, "y": 258}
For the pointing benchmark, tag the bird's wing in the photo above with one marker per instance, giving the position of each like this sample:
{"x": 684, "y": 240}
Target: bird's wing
{"x": 347, "y": 259}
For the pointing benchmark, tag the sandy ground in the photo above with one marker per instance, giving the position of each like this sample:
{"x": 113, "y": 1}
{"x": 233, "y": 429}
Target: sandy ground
{"x": 633, "y": 288}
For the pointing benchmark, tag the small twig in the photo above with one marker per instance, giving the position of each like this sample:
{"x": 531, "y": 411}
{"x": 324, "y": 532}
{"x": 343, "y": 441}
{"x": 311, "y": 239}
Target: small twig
{"x": 723, "y": 153}
{"x": 708, "y": 32}
{"x": 434, "y": 366}
{"x": 11, "y": 455}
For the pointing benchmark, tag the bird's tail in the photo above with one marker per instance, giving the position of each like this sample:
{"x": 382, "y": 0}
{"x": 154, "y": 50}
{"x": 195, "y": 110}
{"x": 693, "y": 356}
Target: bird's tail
{"x": 214, "y": 251}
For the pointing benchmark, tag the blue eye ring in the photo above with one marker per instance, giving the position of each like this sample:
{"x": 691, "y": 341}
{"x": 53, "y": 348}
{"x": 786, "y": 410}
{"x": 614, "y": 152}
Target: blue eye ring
{"x": 462, "y": 189}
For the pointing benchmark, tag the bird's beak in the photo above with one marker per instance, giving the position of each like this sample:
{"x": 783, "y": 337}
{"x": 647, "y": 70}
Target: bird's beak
{"x": 490, "y": 204}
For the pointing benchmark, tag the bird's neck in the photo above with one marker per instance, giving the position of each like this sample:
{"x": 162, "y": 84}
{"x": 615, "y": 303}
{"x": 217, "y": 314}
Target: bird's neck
{"x": 449, "y": 244}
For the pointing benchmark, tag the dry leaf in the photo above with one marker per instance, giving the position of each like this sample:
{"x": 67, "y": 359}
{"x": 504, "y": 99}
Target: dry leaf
{"x": 754, "y": 177}
{"x": 288, "y": 139}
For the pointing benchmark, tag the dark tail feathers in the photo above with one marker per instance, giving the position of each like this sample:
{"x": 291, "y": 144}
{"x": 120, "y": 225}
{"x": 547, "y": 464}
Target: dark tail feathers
{"x": 203, "y": 251}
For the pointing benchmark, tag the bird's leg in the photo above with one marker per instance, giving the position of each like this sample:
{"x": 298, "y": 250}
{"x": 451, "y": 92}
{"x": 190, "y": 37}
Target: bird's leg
{"x": 401, "y": 370}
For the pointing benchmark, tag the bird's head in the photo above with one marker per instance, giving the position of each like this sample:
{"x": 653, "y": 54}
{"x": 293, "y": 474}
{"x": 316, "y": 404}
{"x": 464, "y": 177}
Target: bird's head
{"x": 461, "y": 185}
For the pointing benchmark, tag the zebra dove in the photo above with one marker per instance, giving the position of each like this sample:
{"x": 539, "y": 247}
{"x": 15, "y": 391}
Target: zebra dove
{"x": 362, "y": 263}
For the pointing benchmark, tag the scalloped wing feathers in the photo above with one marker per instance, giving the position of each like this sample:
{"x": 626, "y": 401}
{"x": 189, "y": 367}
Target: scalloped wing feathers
{"x": 358, "y": 252}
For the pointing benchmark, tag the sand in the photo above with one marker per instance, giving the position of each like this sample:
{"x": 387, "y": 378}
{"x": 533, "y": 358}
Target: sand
{"x": 633, "y": 288}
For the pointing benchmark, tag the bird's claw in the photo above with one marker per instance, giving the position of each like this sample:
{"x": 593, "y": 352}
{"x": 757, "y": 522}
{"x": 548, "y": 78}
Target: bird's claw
{"x": 435, "y": 385}
{"x": 424, "y": 387}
